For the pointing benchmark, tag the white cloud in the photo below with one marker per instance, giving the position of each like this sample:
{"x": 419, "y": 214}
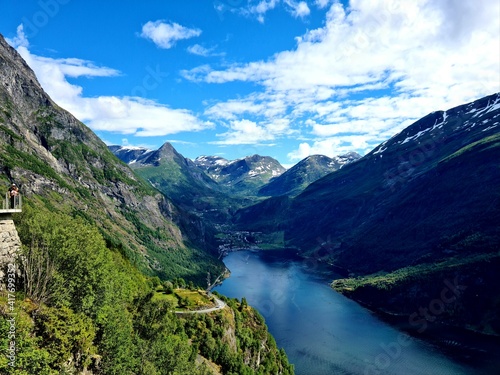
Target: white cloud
{"x": 233, "y": 109}
{"x": 321, "y": 3}
{"x": 331, "y": 147}
{"x": 259, "y": 8}
{"x": 247, "y": 132}
{"x": 124, "y": 115}
{"x": 20, "y": 40}
{"x": 165, "y": 35}
{"x": 52, "y": 75}
{"x": 372, "y": 69}
{"x": 244, "y": 132}
{"x": 140, "y": 117}
{"x": 298, "y": 9}
{"x": 374, "y": 43}
{"x": 196, "y": 49}
{"x": 199, "y": 50}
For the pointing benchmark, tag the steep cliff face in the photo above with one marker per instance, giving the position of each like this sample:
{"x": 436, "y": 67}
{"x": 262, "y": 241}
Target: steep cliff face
{"x": 62, "y": 164}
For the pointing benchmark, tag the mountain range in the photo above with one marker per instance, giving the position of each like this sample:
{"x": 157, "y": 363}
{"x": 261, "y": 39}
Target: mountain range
{"x": 214, "y": 188}
{"x": 254, "y": 175}
{"x": 235, "y": 177}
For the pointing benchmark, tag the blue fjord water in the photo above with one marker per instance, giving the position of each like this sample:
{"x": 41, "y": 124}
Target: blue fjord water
{"x": 323, "y": 332}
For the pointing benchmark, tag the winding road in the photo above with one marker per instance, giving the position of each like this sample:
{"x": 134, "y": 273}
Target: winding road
{"x": 220, "y": 305}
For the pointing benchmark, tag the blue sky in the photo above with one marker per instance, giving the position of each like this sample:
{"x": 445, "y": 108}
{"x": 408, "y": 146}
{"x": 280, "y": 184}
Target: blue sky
{"x": 284, "y": 78}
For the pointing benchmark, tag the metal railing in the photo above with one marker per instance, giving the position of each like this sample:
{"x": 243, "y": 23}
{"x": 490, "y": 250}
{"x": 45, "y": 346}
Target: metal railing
{"x": 12, "y": 202}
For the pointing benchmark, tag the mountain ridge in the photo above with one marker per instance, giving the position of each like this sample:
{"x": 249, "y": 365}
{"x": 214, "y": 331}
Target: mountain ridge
{"x": 235, "y": 176}
{"x": 417, "y": 150}
{"x": 241, "y": 176}
{"x": 59, "y": 162}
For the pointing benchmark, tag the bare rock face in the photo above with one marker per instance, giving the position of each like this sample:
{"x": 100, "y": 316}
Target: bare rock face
{"x": 18, "y": 80}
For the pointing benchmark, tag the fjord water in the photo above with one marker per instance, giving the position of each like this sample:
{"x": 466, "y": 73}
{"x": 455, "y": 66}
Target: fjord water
{"x": 323, "y": 332}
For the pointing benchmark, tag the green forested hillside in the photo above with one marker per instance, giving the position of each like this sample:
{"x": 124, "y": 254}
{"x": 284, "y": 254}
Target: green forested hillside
{"x": 82, "y": 306}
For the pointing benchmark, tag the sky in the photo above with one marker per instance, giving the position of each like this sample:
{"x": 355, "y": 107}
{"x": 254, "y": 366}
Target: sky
{"x": 282, "y": 78}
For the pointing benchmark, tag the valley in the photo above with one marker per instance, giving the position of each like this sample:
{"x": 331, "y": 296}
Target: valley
{"x": 98, "y": 242}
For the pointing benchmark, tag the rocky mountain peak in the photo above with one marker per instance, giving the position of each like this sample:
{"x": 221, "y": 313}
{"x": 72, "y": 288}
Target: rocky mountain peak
{"x": 210, "y": 161}
{"x": 17, "y": 80}
{"x": 165, "y": 154}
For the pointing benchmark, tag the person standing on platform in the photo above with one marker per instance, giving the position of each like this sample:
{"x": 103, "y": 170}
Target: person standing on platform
{"x": 13, "y": 193}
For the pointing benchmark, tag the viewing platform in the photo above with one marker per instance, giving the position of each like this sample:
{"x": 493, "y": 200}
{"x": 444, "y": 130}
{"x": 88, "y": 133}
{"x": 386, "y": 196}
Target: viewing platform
{"x": 11, "y": 204}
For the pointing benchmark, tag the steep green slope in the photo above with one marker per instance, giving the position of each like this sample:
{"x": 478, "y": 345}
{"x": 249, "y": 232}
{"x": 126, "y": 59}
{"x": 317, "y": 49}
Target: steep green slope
{"x": 237, "y": 338}
{"x": 462, "y": 291}
{"x": 61, "y": 164}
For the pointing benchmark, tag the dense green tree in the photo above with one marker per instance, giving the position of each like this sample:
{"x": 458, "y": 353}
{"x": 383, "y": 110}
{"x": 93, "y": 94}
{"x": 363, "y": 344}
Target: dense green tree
{"x": 168, "y": 287}
{"x": 117, "y": 343}
{"x": 80, "y": 270}
{"x": 67, "y": 336}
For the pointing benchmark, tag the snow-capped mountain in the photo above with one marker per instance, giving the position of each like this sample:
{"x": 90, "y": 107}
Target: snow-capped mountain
{"x": 212, "y": 165}
{"x": 312, "y": 168}
{"x": 129, "y": 154}
{"x": 241, "y": 176}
